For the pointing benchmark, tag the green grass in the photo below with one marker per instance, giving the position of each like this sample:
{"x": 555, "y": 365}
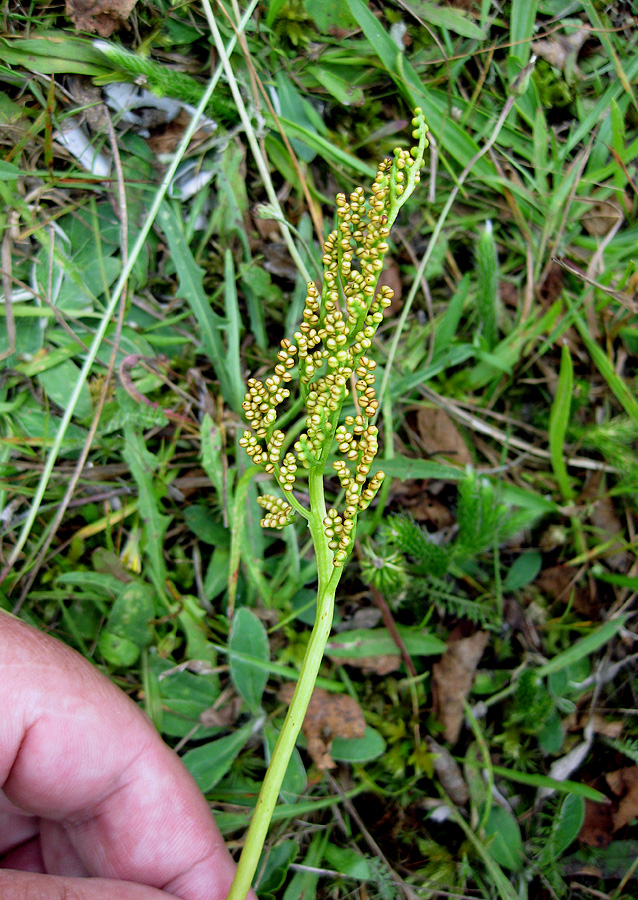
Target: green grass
{"x": 130, "y": 523}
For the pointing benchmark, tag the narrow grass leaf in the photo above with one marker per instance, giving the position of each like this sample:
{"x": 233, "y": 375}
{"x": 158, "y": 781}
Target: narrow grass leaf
{"x": 446, "y": 17}
{"x": 211, "y": 449}
{"x": 143, "y": 465}
{"x": 583, "y": 648}
{"x": 435, "y": 107}
{"x": 487, "y": 284}
{"x": 233, "y": 329}
{"x": 191, "y": 284}
{"x": 522, "y": 19}
{"x": 544, "y": 781}
{"x": 617, "y": 385}
{"x": 498, "y": 878}
{"x": 559, "y": 420}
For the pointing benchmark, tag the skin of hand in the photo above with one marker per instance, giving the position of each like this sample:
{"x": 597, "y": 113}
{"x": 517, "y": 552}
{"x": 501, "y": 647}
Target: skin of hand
{"x": 93, "y": 805}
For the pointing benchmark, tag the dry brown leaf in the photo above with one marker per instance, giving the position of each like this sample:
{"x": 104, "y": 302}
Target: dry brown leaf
{"x": 101, "y": 16}
{"x": 604, "y": 516}
{"x": 328, "y": 716}
{"x": 449, "y": 773}
{"x": 597, "y": 825}
{"x": 601, "y": 725}
{"x": 222, "y": 716}
{"x": 452, "y": 679}
{"x": 373, "y": 665}
{"x": 552, "y": 285}
{"x": 561, "y": 51}
{"x": 624, "y": 784}
{"x": 440, "y": 435}
{"x": 601, "y": 218}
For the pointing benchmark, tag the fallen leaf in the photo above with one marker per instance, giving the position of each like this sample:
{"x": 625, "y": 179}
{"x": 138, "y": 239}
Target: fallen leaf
{"x": 624, "y": 784}
{"x": 558, "y": 583}
{"x": 101, "y": 16}
{"x": 328, "y": 716}
{"x": 597, "y": 824}
{"x": 561, "y": 51}
{"x": 604, "y": 517}
{"x": 440, "y": 436}
{"x": 452, "y": 679}
{"x": 222, "y": 716}
{"x": 449, "y": 773}
{"x": 414, "y": 496}
{"x": 601, "y": 218}
{"x": 601, "y": 725}
{"x": 552, "y": 285}
{"x": 373, "y": 665}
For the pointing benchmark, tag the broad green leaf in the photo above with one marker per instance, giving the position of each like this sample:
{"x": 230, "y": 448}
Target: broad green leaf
{"x": 117, "y": 651}
{"x": 274, "y": 868}
{"x": 506, "y": 846}
{"x": 210, "y": 762}
{"x": 348, "y": 862}
{"x": 274, "y": 7}
{"x": 363, "y": 642}
{"x": 100, "y": 583}
{"x": 358, "y": 750}
{"x": 184, "y": 697}
{"x": 303, "y": 884}
{"x": 446, "y": 17}
{"x": 8, "y": 171}
{"x": 202, "y": 523}
{"x": 343, "y": 91}
{"x": 55, "y": 53}
{"x": 523, "y": 571}
{"x": 56, "y": 383}
{"x": 248, "y": 636}
{"x": 330, "y": 15}
{"x": 132, "y": 614}
{"x": 568, "y": 824}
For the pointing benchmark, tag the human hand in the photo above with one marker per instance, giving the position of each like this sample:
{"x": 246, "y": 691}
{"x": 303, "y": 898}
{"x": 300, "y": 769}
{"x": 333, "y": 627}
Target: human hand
{"x": 89, "y": 792}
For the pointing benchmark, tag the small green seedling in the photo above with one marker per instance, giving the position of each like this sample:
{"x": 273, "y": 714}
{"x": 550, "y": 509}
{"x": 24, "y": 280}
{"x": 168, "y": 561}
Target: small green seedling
{"x": 328, "y": 356}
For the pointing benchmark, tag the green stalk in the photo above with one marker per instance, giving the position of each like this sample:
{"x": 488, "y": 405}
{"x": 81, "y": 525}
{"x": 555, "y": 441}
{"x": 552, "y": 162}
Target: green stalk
{"x": 285, "y": 745}
{"x": 327, "y": 354}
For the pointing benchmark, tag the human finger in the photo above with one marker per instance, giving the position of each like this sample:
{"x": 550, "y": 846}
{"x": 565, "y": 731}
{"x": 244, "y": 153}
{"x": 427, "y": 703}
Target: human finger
{"x": 75, "y": 750}
{"x": 28, "y": 886}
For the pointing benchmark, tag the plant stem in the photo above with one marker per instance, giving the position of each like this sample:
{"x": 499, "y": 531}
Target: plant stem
{"x": 285, "y": 745}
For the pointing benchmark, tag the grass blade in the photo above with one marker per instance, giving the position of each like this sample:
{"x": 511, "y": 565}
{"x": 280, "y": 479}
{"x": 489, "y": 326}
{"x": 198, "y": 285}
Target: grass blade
{"x": 559, "y": 420}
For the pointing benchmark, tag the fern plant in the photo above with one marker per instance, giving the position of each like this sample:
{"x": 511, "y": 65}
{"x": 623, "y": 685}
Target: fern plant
{"x": 328, "y": 359}
{"x": 409, "y": 562}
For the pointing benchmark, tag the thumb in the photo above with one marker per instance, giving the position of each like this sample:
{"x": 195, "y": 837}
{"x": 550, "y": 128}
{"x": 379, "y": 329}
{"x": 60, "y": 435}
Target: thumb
{"x": 30, "y": 886}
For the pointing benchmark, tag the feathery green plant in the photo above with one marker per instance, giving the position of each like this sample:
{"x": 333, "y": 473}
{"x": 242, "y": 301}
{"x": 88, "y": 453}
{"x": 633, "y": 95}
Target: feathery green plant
{"x": 328, "y": 356}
